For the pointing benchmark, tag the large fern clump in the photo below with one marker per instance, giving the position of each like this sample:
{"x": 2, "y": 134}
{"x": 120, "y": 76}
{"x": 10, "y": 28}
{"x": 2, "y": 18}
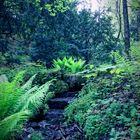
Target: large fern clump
{"x": 18, "y": 103}
{"x": 69, "y": 65}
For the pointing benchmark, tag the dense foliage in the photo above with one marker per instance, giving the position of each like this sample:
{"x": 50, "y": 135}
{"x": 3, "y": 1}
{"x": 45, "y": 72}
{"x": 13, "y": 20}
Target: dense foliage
{"x": 83, "y": 34}
{"x": 82, "y": 39}
{"x": 108, "y": 105}
{"x": 18, "y": 103}
{"x": 96, "y": 53}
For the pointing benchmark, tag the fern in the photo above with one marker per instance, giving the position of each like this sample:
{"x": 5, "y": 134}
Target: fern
{"x": 33, "y": 100}
{"x": 17, "y": 103}
{"x": 28, "y": 84}
{"x": 10, "y": 92}
{"x": 9, "y": 95}
{"x": 18, "y": 78}
{"x": 135, "y": 51}
{"x": 11, "y": 123}
{"x": 69, "y": 65}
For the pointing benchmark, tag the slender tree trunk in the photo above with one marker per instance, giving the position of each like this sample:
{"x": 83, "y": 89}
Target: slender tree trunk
{"x": 1, "y": 6}
{"x": 119, "y": 17}
{"x": 138, "y": 24}
{"x": 126, "y": 28}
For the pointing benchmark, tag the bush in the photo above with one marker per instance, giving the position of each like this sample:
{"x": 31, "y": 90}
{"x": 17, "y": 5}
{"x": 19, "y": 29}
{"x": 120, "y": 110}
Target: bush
{"x": 100, "y": 110}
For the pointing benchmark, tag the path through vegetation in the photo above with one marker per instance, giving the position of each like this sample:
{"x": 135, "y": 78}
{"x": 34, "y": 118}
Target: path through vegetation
{"x": 53, "y": 125}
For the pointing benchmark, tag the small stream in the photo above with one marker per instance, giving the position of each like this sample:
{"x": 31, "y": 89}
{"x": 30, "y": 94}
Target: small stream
{"x": 53, "y": 126}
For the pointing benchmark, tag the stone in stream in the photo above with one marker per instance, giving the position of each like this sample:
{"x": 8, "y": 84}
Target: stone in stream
{"x": 53, "y": 126}
{"x": 67, "y": 94}
{"x": 29, "y": 130}
{"x": 55, "y": 113}
{"x": 43, "y": 124}
{"x": 34, "y": 125}
{"x": 60, "y": 103}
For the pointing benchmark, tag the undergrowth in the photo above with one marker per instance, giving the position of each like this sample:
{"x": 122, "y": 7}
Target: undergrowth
{"x": 108, "y": 105}
{"x": 18, "y": 103}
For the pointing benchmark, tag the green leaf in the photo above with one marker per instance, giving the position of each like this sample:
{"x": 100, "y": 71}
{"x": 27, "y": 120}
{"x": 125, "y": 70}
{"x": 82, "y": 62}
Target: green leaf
{"x": 133, "y": 112}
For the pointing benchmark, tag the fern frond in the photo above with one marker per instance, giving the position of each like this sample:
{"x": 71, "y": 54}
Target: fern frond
{"x": 24, "y": 98}
{"x": 28, "y": 84}
{"x": 33, "y": 98}
{"x": 9, "y": 95}
{"x": 18, "y": 103}
{"x": 11, "y": 123}
{"x": 18, "y": 78}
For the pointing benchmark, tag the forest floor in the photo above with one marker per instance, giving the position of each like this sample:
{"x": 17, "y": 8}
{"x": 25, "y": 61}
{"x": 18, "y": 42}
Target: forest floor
{"x": 53, "y": 126}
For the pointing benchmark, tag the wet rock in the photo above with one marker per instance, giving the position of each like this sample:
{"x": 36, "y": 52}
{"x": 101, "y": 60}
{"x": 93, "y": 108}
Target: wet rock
{"x": 67, "y": 94}
{"x": 52, "y": 126}
{"x": 34, "y": 125}
{"x": 67, "y": 132}
{"x": 55, "y": 113}
{"x": 57, "y": 135}
{"x": 47, "y": 133}
{"x": 43, "y": 124}
{"x": 29, "y": 130}
{"x": 59, "y": 103}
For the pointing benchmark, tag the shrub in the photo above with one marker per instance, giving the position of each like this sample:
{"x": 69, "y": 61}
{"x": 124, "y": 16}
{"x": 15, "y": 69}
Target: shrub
{"x": 103, "y": 107}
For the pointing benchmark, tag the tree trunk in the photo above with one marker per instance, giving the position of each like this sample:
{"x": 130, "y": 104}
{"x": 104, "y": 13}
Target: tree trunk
{"x": 126, "y": 28}
{"x": 1, "y": 6}
{"x": 138, "y": 23}
{"x": 119, "y": 17}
